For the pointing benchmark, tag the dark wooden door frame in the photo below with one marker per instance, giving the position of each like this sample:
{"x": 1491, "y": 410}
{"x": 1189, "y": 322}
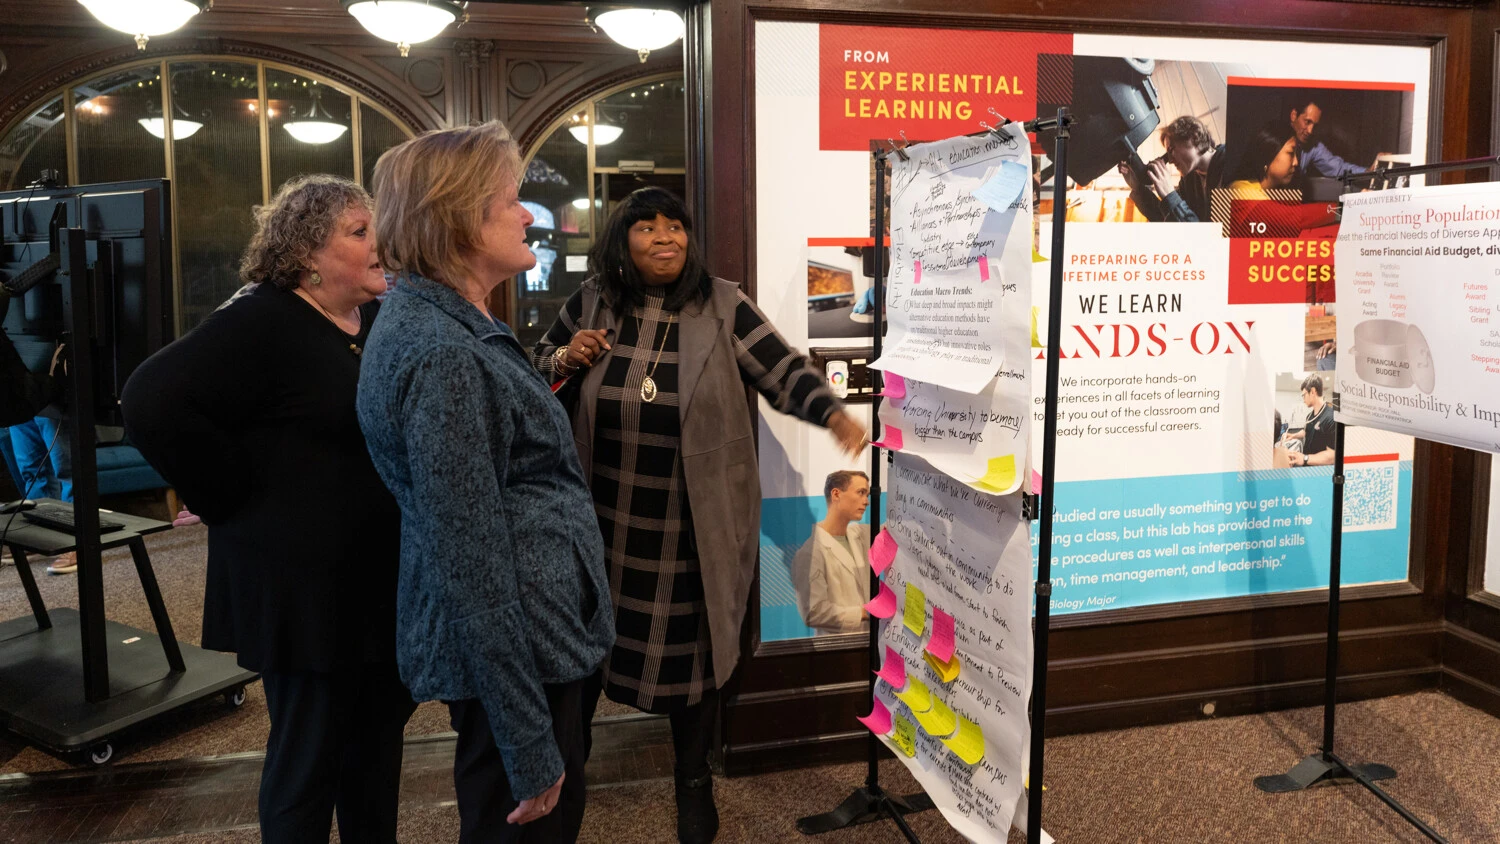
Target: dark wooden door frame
{"x": 794, "y": 702}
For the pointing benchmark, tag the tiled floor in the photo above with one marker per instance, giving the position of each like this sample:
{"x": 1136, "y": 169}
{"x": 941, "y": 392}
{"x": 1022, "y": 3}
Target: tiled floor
{"x": 125, "y": 802}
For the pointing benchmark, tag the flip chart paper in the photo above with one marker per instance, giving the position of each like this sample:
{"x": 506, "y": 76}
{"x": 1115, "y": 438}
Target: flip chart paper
{"x": 893, "y": 670}
{"x": 941, "y": 643}
{"x": 895, "y": 386}
{"x": 882, "y": 551}
{"x": 879, "y": 719}
{"x": 1000, "y": 477}
{"x": 916, "y": 695}
{"x": 968, "y": 742}
{"x": 883, "y": 605}
{"x": 890, "y": 439}
{"x": 939, "y": 721}
{"x": 1002, "y": 189}
{"x": 969, "y": 553}
{"x": 956, "y": 263}
{"x": 914, "y": 610}
{"x": 946, "y": 671}
{"x": 905, "y": 736}
{"x": 962, "y": 433}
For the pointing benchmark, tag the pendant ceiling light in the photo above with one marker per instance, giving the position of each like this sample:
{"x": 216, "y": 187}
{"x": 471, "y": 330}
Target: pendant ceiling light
{"x": 145, "y": 18}
{"x": 182, "y": 129}
{"x": 604, "y": 133}
{"x": 405, "y": 22}
{"x": 642, "y": 30}
{"x": 318, "y": 126}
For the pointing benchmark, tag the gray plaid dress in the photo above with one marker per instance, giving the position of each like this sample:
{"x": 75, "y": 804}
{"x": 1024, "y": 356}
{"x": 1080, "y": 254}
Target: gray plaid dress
{"x": 662, "y": 660}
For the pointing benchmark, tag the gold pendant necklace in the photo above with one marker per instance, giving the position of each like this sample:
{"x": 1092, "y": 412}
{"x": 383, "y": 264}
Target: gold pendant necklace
{"x": 648, "y": 384}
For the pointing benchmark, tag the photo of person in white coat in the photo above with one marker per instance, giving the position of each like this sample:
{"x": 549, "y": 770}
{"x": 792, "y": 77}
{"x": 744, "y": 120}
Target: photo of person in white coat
{"x": 831, "y": 571}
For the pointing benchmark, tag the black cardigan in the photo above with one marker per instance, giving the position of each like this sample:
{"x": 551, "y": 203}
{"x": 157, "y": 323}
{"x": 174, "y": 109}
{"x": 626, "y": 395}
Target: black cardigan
{"x": 251, "y": 417}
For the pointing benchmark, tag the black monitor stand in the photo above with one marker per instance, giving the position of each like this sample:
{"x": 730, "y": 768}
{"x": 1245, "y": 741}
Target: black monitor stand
{"x": 126, "y": 676}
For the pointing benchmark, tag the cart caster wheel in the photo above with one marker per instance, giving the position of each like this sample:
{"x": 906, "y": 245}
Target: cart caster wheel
{"x": 101, "y": 753}
{"x": 235, "y": 698}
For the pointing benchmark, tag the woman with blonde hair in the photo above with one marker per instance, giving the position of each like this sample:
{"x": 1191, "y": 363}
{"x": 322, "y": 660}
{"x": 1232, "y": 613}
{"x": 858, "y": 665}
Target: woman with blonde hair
{"x": 503, "y": 607}
{"x": 251, "y": 417}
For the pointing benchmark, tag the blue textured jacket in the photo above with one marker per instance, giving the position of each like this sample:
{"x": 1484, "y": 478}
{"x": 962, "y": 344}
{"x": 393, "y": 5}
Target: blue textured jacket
{"x": 502, "y": 585}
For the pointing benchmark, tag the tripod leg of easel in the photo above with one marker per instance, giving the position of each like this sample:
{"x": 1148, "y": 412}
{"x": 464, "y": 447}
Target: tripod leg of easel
{"x": 1315, "y": 769}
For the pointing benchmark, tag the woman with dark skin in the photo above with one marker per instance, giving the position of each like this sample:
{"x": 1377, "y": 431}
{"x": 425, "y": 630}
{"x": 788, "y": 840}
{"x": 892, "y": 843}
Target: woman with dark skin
{"x": 664, "y": 352}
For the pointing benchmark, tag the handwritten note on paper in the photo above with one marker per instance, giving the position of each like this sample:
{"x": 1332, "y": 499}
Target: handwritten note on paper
{"x": 941, "y": 643}
{"x": 967, "y": 743}
{"x": 939, "y": 721}
{"x": 882, "y": 551}
{"x": 963, "y": 434}
{"x": 946, "y": 671}
{"x": 905, "y": 736}
{"x": 914, "y": 610}
{"x": 879, "y": 719}
{"x": 916, "y": 695}
{"x": 893, "y": 670}
{"x": 969, "y": 553}
{"x": 1005, "y": 186}
{"x": 890, "y": 438}
{"x": 948, "y": 313}
{"x": 883, "y": 605}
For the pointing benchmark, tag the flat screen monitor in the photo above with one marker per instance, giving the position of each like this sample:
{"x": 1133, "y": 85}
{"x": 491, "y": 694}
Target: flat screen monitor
{"x": 129, "y": 240}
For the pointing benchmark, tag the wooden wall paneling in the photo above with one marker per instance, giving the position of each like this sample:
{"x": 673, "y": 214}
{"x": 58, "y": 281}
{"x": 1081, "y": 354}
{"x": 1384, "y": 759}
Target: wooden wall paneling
{"x": 794, "y": 703}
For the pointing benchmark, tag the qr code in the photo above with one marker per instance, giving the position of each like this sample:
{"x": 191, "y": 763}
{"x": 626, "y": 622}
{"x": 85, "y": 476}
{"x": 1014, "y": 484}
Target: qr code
{"x": 1370, "y": 497}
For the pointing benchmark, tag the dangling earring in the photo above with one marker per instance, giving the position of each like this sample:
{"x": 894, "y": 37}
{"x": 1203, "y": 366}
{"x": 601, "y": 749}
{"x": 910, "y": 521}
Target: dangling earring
{"x": 315, "y": 279}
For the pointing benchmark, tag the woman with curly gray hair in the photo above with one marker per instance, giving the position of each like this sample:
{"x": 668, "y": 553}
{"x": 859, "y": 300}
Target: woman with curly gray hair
{"x": 251, "y": 417}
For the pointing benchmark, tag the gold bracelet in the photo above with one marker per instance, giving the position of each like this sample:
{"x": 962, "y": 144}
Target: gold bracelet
{"x": 560, "y": 362}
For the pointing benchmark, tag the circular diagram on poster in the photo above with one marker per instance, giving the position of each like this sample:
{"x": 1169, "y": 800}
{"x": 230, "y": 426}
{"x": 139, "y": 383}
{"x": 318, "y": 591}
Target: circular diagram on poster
{"x": 1423, "y": 375}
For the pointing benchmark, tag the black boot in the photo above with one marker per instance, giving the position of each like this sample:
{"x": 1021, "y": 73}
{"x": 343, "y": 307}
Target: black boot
{"x": 697, "y": 816}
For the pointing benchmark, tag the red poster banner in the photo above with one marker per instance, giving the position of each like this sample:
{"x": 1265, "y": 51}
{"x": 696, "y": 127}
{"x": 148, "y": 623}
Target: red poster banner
{"x": 876, "y": 82}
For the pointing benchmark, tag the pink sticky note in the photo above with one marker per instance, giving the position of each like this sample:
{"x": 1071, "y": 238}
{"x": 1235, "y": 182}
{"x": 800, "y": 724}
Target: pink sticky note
{"x": 918, "y": 278}
{"x": 984, "y": 268}
{"x": 941, "y": 643}
{"x": 879, "y": 719}
{"x": 893, "y": 670}
{"x": 1036, "y": 482}
{"x": 890, "y": 439}
{"x": 883, "y": 605}
{"x": 882, "y": 551}
{"x": 895, "y": 386}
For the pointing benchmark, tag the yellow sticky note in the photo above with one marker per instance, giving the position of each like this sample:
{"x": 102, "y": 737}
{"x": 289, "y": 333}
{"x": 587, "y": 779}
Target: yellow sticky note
{"x": 917, "y": 695}
{"x": 915, "y": 610}
{"x": 1036, "y": 257}
{"x": 938, "y": 721}
{"x": 905, "y": 736}
{"x": 1036, "y": 340}
{"x": 999, "y": 475}
{"x": 946, "y": 671}
{"x": 968, "y": 742}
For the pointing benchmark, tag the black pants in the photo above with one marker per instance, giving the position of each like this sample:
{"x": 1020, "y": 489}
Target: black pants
{"x": 336, "y": 741}
{"x": 692, "y": 729}
{"x": 484, "y": 795}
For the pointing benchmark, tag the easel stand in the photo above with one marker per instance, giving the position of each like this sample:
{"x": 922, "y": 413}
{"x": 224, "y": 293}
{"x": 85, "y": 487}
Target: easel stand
{"x": 1326, "y": 765}
{"x": 870, "y": 802}
{"x": 47, "y": 694}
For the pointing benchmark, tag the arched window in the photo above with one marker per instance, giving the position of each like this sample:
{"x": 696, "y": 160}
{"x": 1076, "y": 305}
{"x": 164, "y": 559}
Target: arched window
{"x": 587, "y": 162}
{"x": 225, "y": 132}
